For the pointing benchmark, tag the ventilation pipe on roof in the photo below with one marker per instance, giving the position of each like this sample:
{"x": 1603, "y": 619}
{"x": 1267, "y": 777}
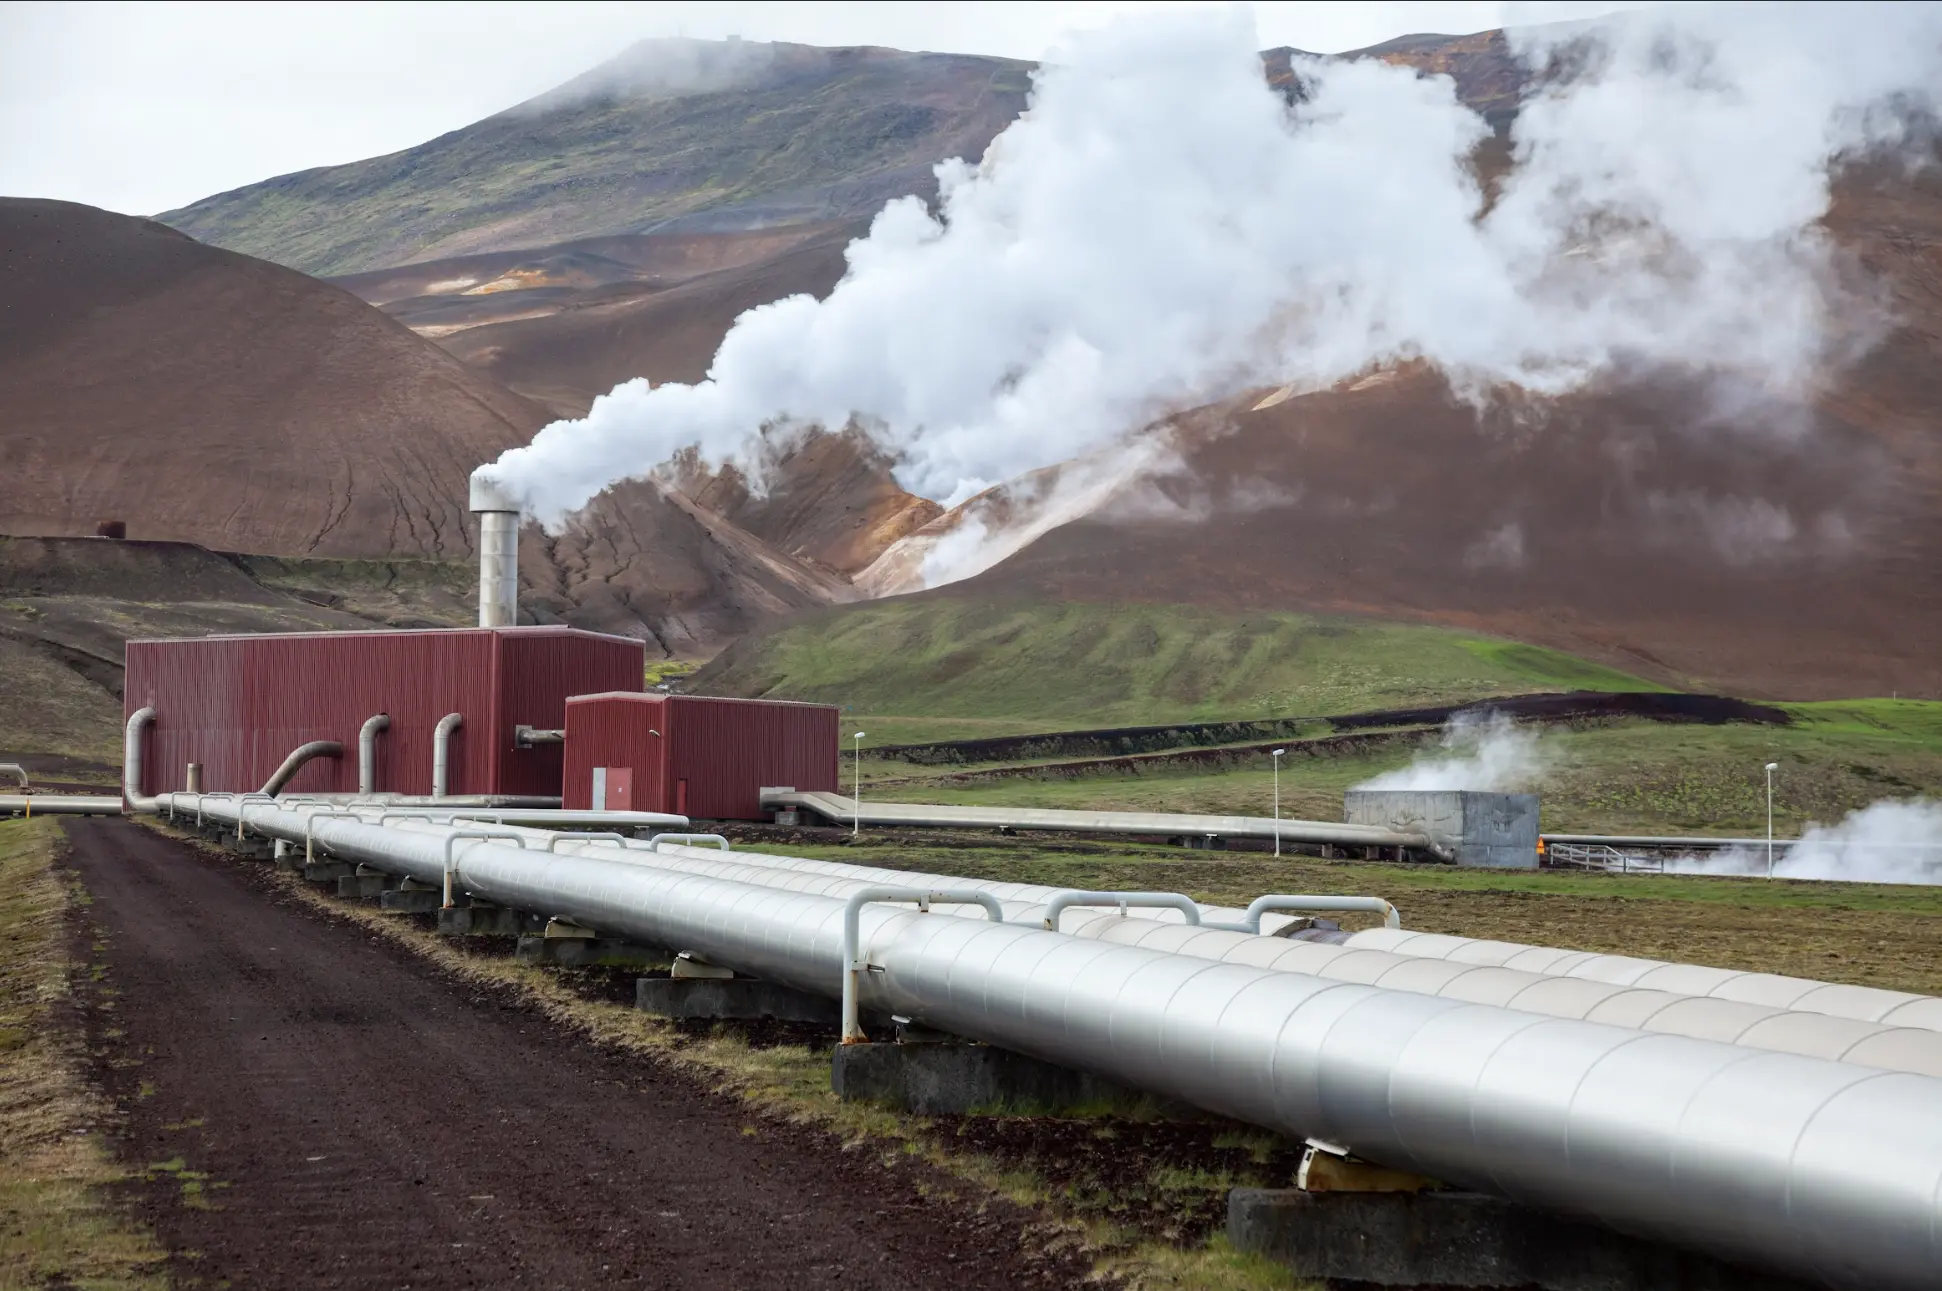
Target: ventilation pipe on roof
{"x": 367, "y": 752}
{"x": 442, "y": 751}
{"x": 300, "y": 755}
{"x": 498, "y": 553}
{"x": 131, "y": 760}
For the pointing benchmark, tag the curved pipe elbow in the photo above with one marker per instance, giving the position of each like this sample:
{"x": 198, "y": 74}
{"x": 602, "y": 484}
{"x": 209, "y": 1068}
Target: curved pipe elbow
{"x": 299, "y": 757}
{"x": 442, "y": 753}
{"x": 131, "y": 760}
{"x": 367, "y": 752}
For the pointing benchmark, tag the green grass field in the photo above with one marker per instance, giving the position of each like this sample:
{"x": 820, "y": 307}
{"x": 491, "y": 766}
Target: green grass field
{"x": 926, "y": 669}
{"x": 1868, "y": 934}
{"x": 1618, "y": 777}
{"x": 919, "y": 668}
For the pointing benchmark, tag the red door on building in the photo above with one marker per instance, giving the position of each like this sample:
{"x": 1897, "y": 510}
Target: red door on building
{"x": 613, "y": 788}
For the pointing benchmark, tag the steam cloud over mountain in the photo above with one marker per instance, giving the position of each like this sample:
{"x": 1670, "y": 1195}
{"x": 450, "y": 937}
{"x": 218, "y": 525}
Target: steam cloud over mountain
{"x": 1160, "y": 229}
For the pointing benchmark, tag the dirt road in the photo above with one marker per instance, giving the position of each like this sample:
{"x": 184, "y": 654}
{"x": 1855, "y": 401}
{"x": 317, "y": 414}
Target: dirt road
{"x": 318, "y": 1108}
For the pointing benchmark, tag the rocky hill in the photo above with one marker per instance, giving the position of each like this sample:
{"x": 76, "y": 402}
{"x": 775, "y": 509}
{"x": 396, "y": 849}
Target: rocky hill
{"x": 671, "y": 135}
{"x": 200, "y": 396}
{"x": 208, "y": 397}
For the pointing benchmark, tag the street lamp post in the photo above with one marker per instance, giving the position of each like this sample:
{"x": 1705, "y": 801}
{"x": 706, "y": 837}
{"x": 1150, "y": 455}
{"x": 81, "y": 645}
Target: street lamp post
{"x": 856, "y": 816}
{"x": 1771, "y": 768}
{"x": 1276, "y": 755}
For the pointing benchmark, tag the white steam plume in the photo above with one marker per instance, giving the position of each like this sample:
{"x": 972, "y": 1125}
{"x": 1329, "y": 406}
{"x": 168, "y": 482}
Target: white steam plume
{"x": 1159, "y": 230}
{"x": 1896, "y": 840}
{"x": 1492, "y": 754}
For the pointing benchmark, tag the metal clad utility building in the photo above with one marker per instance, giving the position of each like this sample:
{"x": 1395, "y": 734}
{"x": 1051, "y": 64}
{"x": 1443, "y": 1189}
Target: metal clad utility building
{"x": 239, "y": 704}
{"x": 694, "y": 755}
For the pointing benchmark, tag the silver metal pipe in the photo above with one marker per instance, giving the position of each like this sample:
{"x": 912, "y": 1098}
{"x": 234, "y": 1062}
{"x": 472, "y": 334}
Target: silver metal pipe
{"x": 498, "y": 513}
{"x": 1223, "y": 936}
{"x": 300, "y": 755}
{"x": 842, "y": 810}
{"x": 1824, "y": 1169}
{"x": 853, "y": 961}
{"x": 367, "y": 751}
{"x": 59, "y": 804}
{"x": 131, "y": 760}
{"x": 442, "y": 752}
{"x": 528, "y": 737}
{"x": 16, "y": 770}
{"x": 1796, "y": 994}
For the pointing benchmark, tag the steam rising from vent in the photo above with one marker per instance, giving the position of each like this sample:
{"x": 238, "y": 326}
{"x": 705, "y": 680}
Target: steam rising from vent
{"x": 1490, "y": 754}
{"x": 1160, "y": 229}
{"x": 1896, "y": 840}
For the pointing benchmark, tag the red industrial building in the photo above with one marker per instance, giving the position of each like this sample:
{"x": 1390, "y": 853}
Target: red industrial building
{"x": 239, "y": 704}
{"x": 696, "y": 756}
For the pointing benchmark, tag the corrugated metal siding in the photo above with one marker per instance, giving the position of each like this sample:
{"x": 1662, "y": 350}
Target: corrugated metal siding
{"x": 612, "y": 731}
{"x": 538, "y": 670}
{"x": 238, "y": 705}
{"x": 728, "y": 749}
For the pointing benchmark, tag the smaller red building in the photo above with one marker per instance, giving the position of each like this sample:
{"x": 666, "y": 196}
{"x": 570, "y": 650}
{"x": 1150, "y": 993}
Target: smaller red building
{"x": 694, "y": 755}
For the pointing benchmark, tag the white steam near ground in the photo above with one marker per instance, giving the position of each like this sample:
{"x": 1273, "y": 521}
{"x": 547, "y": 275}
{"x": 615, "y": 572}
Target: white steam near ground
{"x": 1160, "y": 229}
{"x": 1896, "y": 840}
{"x": 1491, "y": 754}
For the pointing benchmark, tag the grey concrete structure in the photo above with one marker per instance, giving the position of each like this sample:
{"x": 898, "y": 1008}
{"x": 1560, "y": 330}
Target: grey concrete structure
{"x": 739, "y": 999}
{"x": 1485, "y": 830}
{"x": 954, "y": 1078}
{"x": 1457, "y": 1239}
{"x": 587, "y": 952}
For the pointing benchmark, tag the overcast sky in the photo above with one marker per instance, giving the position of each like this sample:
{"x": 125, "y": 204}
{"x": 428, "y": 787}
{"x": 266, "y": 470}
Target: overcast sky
{"x": 145, "y": 107}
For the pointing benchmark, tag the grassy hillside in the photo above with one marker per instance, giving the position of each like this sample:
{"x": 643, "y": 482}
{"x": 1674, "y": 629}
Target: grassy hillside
{"x": 1618, "y": 777}
{"x": 976, "y": 667}
{"x": 789, "y": 134}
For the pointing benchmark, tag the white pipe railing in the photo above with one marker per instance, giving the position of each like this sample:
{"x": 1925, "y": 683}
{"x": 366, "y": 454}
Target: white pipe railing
{"x": 854, "y": 961}
{"x": 1063, "y": 901}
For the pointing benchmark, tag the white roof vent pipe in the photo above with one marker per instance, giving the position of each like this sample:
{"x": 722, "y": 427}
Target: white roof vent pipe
{"x": 498, "y": 513}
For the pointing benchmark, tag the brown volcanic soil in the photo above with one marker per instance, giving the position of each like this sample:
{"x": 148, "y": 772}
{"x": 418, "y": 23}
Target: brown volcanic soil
{"x": 206, "y": 397}
{"x": 574, "y": 354}
{"x": 309, "y": 1107}
{"x": 1612, "y": 526}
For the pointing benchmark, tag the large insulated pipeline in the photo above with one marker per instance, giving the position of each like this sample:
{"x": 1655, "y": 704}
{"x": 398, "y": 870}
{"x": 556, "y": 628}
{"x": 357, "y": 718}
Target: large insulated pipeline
{"x": 299, "y": 756}
{"x": 498, "y": 513}
{"x": 442, "y": 753}
{"x": 1800, "y": 994}
{"x": 1823, "y": 1168}
{"x": 367, "y": 751}
{"x": 1890, "y": 1047}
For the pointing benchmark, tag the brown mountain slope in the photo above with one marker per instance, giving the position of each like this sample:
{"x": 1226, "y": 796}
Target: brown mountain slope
{"x": 211, "y": 398}
{"x": 202, "y": 396}
{"x": 584, "y": 348}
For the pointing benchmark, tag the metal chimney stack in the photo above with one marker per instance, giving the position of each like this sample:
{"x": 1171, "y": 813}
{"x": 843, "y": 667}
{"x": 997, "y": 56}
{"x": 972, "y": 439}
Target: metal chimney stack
{"x": 498, "y": 553}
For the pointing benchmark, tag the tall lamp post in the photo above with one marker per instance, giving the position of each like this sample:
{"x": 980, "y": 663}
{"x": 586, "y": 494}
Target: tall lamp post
{"x": 856, "y": 816}
{"x": 1276, "y": 755}
{"x": 1771, "y": 768}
